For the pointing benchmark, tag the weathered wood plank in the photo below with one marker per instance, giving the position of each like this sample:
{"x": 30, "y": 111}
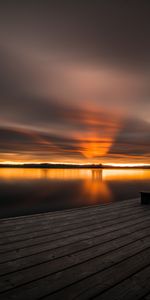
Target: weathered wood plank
{"x": 105, "y": 279}
{"x": 50, "y": 220}
{"x": 68, "y": 212}
{"x": 68, "y": 237}
{"x": 100, "y": 252}
{"x": 133, "y": 288}
{"x": 60, "y": 225}
{"x": 9, "y": 237}
{"x": 100, "y": 282}
{"x": 48, "y": 255}
{"x": 47, "y": 220}
{"x": 50, "y": 267}
{"x": 15, "y": 254}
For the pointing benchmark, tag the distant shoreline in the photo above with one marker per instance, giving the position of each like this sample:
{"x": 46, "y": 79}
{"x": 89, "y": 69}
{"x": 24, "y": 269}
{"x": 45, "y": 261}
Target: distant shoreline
{"x": 64, "y": 166}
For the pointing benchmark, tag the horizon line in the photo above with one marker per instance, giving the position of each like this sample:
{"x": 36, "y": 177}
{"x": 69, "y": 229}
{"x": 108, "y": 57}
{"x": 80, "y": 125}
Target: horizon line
{"x": 9, "y": 163}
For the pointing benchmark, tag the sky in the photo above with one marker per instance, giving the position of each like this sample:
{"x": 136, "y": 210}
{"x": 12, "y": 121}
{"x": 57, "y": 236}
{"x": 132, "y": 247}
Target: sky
{"x": 74, "y": 81}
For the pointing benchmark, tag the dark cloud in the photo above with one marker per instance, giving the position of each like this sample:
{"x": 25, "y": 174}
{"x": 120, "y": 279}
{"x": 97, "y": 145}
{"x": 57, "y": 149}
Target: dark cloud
{"x": 50, "y": 112}
{"x": 35, "y": 143}
{"x": 71, "y": 74}
{"x": 117, "y": 31}
{"x": 133, "y": 139}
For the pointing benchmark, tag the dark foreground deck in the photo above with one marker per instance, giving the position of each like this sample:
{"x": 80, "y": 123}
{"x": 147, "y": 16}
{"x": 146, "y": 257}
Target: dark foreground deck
{"x": 100, "y": 252}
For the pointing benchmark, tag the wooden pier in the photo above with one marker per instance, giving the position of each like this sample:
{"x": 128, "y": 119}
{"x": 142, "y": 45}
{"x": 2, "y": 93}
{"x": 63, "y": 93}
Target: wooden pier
{"x": 99, "y": 252}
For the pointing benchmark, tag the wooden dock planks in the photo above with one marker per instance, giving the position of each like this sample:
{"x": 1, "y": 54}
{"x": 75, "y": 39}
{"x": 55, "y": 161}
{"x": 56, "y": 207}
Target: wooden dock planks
{"x": 99, "y": 252}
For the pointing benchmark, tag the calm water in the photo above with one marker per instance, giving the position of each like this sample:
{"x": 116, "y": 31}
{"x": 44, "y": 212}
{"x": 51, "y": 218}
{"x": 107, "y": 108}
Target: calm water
{"x": 28, "y": 191}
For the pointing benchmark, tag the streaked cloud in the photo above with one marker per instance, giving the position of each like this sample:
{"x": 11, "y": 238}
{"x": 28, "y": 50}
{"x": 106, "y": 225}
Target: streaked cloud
{"x": 73, "y": 86}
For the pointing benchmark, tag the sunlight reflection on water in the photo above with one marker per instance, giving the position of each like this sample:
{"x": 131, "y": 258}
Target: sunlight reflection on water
{"x": 26, "y": 191}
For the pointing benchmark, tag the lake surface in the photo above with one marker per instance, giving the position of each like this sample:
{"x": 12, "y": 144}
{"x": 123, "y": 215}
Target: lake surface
{"x": 28, "y": 191}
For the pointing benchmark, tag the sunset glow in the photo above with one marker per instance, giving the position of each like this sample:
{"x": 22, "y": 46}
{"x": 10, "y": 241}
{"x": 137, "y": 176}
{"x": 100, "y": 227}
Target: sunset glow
{"x": 74, "y": 91}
